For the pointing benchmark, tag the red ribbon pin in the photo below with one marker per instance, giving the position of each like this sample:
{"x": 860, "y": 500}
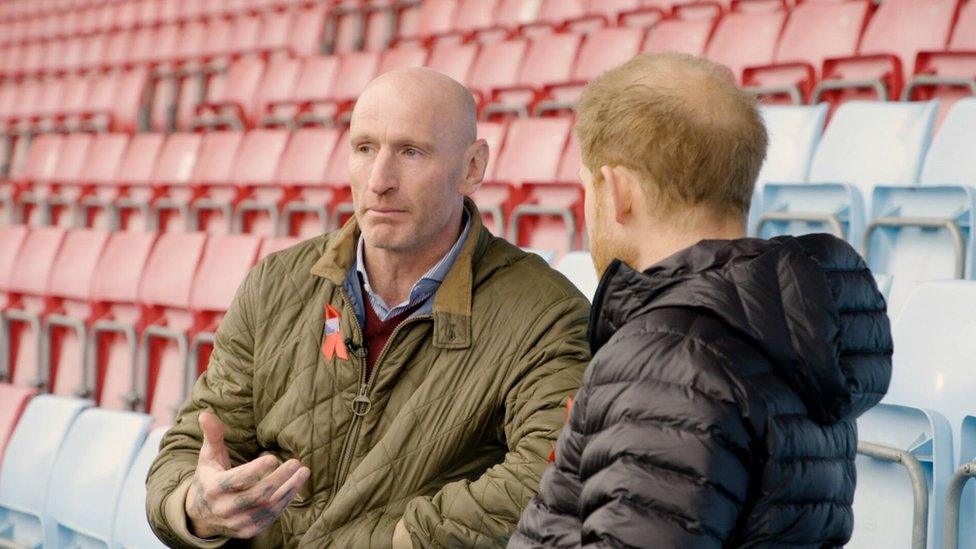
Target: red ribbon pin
{"x": 332, "y": 343}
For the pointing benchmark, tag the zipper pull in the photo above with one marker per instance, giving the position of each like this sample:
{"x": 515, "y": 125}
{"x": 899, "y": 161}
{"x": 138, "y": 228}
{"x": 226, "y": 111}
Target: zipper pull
{"x": 361, "y": 405}
{"x": 355, "y": 348}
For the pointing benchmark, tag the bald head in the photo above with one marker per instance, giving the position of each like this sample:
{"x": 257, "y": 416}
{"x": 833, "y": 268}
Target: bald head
{"x": 429, "y": 95}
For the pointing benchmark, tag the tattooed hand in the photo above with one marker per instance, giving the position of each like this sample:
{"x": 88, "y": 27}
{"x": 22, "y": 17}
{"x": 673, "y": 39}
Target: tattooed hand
{"x": 242, "y": 501}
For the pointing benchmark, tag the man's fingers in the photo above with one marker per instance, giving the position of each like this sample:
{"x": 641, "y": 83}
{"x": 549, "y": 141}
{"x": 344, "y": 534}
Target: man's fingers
{"x": 213, "y": 449}
{"x": 286, "y": 492}
{"x": 260, "y": 493}
{"x": 244, "y": 476}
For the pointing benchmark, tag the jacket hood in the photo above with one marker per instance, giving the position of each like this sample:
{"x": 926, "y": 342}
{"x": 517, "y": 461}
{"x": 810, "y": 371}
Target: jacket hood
{"x": 804, "y": 302}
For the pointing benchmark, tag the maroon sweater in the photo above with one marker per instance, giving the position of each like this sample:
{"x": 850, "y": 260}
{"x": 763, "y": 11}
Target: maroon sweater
{"x": 377, "y": 332}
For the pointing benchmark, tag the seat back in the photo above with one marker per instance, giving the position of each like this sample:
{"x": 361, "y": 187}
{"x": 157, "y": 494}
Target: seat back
{"x": 175, "y": 164}
{"x": 317, "y": 77}
{"x": 307, "y": 155}
{"x": 42, "y": 159}
{"x": 533, "y": 149}
{"x": 27, "y": 468}
{"x": 905, "y": 27}
{"x": 74, "y": 152}
{"x": 964, "y": 34}
{"x": 13, "y": 400}
{"x": 168, "y": 275}
{"x": 679, "y": 34}
{"x": 550, "y": 59}
{"x": 258, "y": 156}
{"x": 89, "y": 473}
{"x": 401, "y": 57}
{"x": 818, "y": 30}
{"x": 512, "y": 13}
{"x": 869, "y": 143}
{"x": 34, "y": 262}
{"x": 475, "y": 14}
{"x": 497, "y": 65}
{"x": 571, "y": 162}
{"x": 793, "y": 136}
{"x": 104, "y": 158}
{"x": 272, "y": 245}
{"x": 216, "y": 160}
{"x": 746, "y": 38}
{"x": 278, "y": 82}
{"x": 951, "y": 160}
{"x": 355, "y": 71}
{"x": 11, "y": 240}
{"x": 454, "y": 60}
{"x": 226, "y": 261}
{"x": 131, "y": 528}
{"x": 578, "y": 268}
{"x": 120, "y": 267}
{"x": 139, "y": 161}
{"x": 494, "y": 134}
{"x": 606, "y": 48}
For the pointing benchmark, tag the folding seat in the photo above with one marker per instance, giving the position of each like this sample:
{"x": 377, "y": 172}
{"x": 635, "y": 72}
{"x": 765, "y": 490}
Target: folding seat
{"x": 67, "y": 202}
{"x": 898, "y": 30}
{"x": 64, "y": 341}
{"x": 24, "y": 107}
{"x": 131, "y": 527}
{"x": 41, "y": 203}
{"x": 117, "y": 47}
{"x": 88, "y": 476}
{"x": 231, "y": 98}
{"x": 307, "y": 27}
{"x": 13, "y": 400}
{"x": 20, "y": 322}
{"x": 867, "y": 143}
{"x": 470, "y": 16}
{"x": 948, "y": 74}
{"x": 793, "y": 133}
{"x": 254, "y": 165}
{"x": 578, "y": 268}
{"x": 509, "y": 16}
{"x": 214, "y": 165}
{"x": 494, "y": 135}
{"x": 42, "y": 159}
{"x": 344, "y": 27}
{"x": 428, "y": 19}
{"x": 529, "y": 160}
{"x": 115, "y": 198}
{"x": 164, "y": 295}
{"x": 226, "y": 261}
{"x": 687, "y": 32}
{"x": 27, "y": 466}
{"x": 454, "y": 60}
{"x": 314, "y": 81}
{"x": 919, "y": 422}
{"x": 379, "y": 22}
{"x": 299, "y": 194}
{"x": 272, "y": 245}
{"x": 69, "y": 113}
{"x": 356, "y": 69}
{"x": 814, "y": 31}
{"x": 744, "y": 38}
{"x": 114, "y": 101}
{"x": 924, "y": 231}
{"x": 336, "y": 177}
{"x": 173, "y": 170}
{"x": 11, "y": 240}
{"x": 496, "y": 67}
{"x": 603, "y": 49}
{"x": 549, "y": 61}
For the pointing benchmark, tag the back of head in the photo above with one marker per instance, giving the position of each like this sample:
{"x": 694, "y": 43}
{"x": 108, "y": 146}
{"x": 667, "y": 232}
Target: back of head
{"x": 682, "y": 126}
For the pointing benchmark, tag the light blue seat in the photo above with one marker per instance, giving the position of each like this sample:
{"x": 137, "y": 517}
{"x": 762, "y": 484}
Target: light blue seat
{"x": 794, "y": 132}
{"x": 867, "y": 143}
{"x": 935, "y": 353}
{"x": 86, "y": 482}
{"x": 924, "y": 231}
{"x": 547, "y": 255}
{"x": 28, "y": 463}
{"x": 131, "y": 529}
{"x": 578, "y": 268}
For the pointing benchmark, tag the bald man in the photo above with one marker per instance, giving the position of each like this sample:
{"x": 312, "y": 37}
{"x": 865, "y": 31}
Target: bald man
{"x": 400, "y": 382}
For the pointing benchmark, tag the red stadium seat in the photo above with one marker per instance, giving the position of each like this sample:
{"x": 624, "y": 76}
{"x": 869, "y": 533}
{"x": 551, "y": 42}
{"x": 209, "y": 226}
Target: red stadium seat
{"x": 497, "y": 66}
{"x": 745, "y": 38}
{"x": 232, "y": 99}
{"x": 549, "y": 61}
{"x": 11, "y": 240}
{"x": 173, "y": 172}
{"x": 115, "y": 322}
{"x": 272, "y": 245}
{"x": 225, "y": 263}
{"x": 123, "y": 202}
{"x": 314, "y": 82}
{"x": 68, "y": 311}
{"x": 305, "y": 34}
{"x": 898, "y": 30}
{"x": 602, "y": 50}
{"x": 949, "y": 74}
{"x": 432, "y": 17}
{"x": 300, "y": 192}
{"x": 13, "y": 400}
{"x": 454, "y": 60}
{"x": 472, "y": 15}
{"x": 26, "y": 305}
{"x": 255, "y": 165}
{"x": 337, "y": 177}
{"x": 687, "y": 32}
{"x": 41, "y": 162}
{"x": 356, "y": 69}
{"x": 38, "y": 202}
{"x": 104, "y": 158}
{"x": 814, "y": 32}
{"x": 531, "y": 154}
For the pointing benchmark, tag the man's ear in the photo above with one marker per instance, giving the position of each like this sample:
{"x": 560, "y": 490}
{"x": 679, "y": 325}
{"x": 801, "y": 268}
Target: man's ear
{"x": 619, "y": 181}
{"x": 476, "y": 160}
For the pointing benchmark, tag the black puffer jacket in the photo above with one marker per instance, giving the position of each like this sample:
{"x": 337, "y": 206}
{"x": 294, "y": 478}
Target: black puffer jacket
{"x": 719, "y": 408}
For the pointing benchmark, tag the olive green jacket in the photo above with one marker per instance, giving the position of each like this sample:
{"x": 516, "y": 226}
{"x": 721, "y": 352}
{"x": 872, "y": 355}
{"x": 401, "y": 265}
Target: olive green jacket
{"x": 452, "y": 431}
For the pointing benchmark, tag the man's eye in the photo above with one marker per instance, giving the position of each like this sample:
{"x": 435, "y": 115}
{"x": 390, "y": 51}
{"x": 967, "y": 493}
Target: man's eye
{"x": 411, "y": 152}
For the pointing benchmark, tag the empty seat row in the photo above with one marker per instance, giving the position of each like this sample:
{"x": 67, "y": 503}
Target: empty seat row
{"x": 124, "y": 318}
{"x": 74, "y": 476}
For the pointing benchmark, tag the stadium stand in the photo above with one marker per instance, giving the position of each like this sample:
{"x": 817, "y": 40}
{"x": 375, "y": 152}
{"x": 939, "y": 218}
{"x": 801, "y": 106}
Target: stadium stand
{"x": 154, "y": 150}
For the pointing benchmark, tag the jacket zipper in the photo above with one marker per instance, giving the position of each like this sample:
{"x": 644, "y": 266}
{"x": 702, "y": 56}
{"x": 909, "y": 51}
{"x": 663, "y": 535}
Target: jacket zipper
{"x": 363, "y": 394}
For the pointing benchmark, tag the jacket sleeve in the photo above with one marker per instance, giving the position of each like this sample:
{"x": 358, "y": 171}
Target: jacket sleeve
{"x": 484, "y": 512}
{"x": 666, "y": 454}
{"x": 225, "y": 388}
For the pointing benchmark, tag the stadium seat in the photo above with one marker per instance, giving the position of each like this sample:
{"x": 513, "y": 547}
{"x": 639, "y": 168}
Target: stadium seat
{"x": 930, "y": 391}
{"x": 42, "y": 159}
{"x": 578, "y": 268}
{"x": 297, "y": 190}
{"x": 924, "y": 231}
{"x": 164, "y": 294}
{"x": 793, "y": 132}
{"x": 230, "y": 98}
{"x": 226, "y": 261}
{"x": 602, "y": 50}
{"x": 866, "y": 144}
{"x": 11, "y": 241}
{"x": 114, "y": 330}
{"x": 336, "y": 177}
{"x": 28, "y": 462}
{"x": 356, "y": 69}
{"x": 272, "y": 245}
{"x": 454, "y": 60}
{"x": 686, "y": 32}
{"x": 122, "y": 202}
{"x": 13, "y": 400}
{"x": 38, "y": 203}
{"x": 314, "y": 82}
{"x": 814, "y": 31}
{"x": 88, "y": 476}
{"x": 549, "y": 61}
{"x": 898, "y": 30}
{"x": 530, "y": 158}
{"x": 494, "y": 134}
{"x": 100, "y": 167}
{"x": 21, "y": 320}
{"x": 254, "y": 164}
{"x": 744, "y": 38}
{"x": 948, "y": 75}
{"x": 430, "y": 18}
{"x": 131, "y": 528}
{"x": 174, "y": 171}
{"x": 497, "y": 66}
{"x": 64, "y": 341}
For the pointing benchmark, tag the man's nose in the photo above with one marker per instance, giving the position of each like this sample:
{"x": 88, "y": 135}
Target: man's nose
{"x": 382, "y": 176}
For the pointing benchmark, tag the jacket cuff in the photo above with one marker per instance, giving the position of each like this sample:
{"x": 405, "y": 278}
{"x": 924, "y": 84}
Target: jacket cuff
{"x": 174, "y": 510}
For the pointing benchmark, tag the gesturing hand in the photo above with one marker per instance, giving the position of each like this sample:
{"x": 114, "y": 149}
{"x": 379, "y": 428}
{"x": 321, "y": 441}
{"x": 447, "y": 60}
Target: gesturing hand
{"x": 242, "y": 501}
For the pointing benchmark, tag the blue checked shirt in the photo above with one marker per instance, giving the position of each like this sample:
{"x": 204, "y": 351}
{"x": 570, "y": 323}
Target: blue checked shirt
{"x": 422, "y": 292}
